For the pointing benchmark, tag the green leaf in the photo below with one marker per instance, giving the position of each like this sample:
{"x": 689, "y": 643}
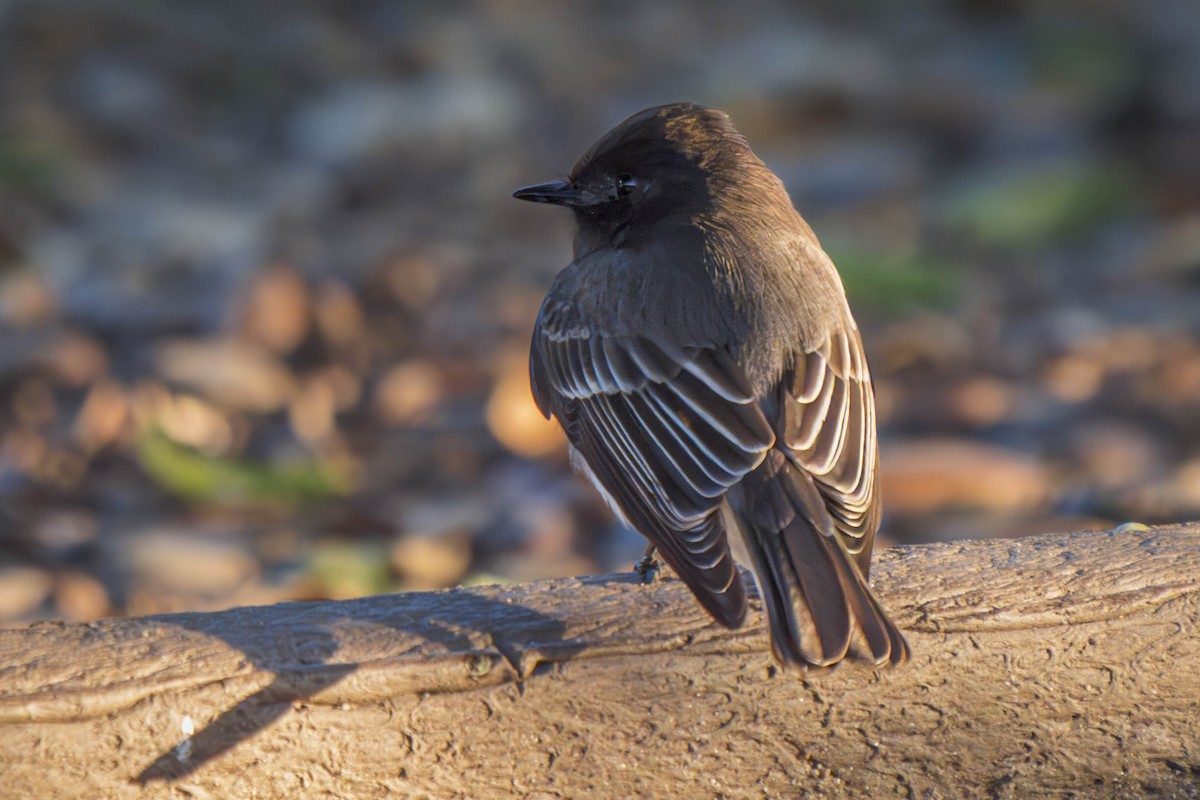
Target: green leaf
{"x": 197, "y": 477}
{"x": 1027, "y": 207}
{"x": 889, "y": 283}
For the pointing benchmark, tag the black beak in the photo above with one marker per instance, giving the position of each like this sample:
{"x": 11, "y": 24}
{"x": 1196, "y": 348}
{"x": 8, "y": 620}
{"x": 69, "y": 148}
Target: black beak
{"x": 559, "y": 193}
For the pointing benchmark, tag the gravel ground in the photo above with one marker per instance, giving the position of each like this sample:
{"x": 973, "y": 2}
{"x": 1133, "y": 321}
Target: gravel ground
{"x": 265, "y": 301}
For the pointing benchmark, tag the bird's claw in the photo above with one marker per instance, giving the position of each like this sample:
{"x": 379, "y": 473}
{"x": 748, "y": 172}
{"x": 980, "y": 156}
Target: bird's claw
{"x": 648, "y": 569}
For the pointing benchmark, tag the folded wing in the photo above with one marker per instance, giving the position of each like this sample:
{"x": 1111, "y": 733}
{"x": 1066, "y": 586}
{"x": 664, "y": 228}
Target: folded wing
{"x": 827, "y": 424}
{"x": 665, "y": 431}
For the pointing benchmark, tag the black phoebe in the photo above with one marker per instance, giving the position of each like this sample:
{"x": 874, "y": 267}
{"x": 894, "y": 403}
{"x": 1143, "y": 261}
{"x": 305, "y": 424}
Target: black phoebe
{"x": 701, "y": 357}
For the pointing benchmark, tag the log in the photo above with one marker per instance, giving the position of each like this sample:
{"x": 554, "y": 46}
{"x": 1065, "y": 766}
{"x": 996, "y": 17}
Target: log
{"x": 1054, "y": 666}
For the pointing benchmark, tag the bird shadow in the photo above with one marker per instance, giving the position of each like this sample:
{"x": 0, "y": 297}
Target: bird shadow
{"x": 305, "y": 643}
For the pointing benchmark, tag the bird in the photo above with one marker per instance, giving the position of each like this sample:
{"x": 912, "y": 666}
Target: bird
{"x": 700, "y": 355}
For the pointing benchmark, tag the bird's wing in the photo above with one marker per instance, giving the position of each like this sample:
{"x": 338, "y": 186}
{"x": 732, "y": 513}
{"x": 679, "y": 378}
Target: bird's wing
{"x": 827, "y": 423}
{"x": 665, "y": 430}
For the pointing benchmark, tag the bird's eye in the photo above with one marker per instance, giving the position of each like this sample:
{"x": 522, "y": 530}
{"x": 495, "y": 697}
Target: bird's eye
{"x": 625, "y": 184}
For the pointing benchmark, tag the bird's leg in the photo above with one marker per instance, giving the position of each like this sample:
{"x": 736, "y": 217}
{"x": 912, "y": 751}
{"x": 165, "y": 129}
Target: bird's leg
{"x": 647, "y": 568}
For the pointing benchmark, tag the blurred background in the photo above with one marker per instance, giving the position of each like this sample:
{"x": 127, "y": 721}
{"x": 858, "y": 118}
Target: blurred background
{"x": 265, "y": 300}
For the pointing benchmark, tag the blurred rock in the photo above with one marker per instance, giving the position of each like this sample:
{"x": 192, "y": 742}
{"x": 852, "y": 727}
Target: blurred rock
{"x": 1174, "y": 378}
{"x": 22, "y": 591}
{"x": 1072, "y": 378}
{"x": 431, "y": 560}
{"x": 1175, "y": 496}
{"x": 25, "y": 450}
{"x": 983, "y": 400}
{"x": 79, "y": 597}
{"x": 74, "y": 359}
{"x": 311, "y": 411}
{"x": 345, "y": 385}
{"x": 26, "y": 301}
{"x": 408, "y": 392}
{"x": 412, "y": 279}
{"x": 922, "y": 476}
{"x": 180, "y": 560}
{"x": 1121, "y": 349}
{"x": 277, "y": 309}
{"x": 103, "y": 416}
{"x": 516, "y": 307}
{"x": 1185, "y": 489}
{"x": 1116, "y": 454}
{"x": 186, "y": 419}
{"x": 231, "y": 372}
{"x": 514, "y": 419}
{"x": 339, "y": 315}
{"x": 33, "y": 403}
{"x": 63, "y": 533}
{"x": 278, "y": 544}
{"x": 435, "y": 546}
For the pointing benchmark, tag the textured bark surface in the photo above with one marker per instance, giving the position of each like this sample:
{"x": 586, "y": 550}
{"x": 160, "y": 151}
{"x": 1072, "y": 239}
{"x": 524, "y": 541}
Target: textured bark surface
{"x": 1062, "y": 665}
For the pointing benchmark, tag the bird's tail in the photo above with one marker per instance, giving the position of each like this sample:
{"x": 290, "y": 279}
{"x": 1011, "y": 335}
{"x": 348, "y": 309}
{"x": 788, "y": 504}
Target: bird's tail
{"x": 816, "y": 596}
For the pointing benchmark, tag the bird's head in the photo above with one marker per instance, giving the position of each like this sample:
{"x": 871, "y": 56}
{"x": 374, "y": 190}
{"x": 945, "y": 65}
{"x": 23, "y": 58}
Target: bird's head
{"x": 667, "y": 164}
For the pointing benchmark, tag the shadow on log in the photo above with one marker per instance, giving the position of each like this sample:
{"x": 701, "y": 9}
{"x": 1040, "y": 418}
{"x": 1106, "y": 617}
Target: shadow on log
{"x": 1063, "y": 665}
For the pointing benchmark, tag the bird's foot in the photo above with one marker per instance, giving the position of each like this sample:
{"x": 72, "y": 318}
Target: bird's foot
{"x": 648, "y": 569}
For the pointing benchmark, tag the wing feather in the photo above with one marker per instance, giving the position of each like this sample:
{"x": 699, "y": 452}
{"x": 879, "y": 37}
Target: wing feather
{"x": 665, "y": 431}
{"x": 827, "y": 423}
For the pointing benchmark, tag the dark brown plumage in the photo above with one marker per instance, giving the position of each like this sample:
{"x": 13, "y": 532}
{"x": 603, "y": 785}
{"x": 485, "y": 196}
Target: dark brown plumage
{"x": 701, "y": 356}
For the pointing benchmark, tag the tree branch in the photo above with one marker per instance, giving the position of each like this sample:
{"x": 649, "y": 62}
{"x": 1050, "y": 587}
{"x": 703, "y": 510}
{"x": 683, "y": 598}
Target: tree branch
{"x": 1055, "y": 665}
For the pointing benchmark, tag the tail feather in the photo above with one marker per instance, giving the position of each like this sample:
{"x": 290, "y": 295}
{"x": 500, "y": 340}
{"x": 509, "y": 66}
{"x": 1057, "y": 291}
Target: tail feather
{"x": 818, "y": 603}
{"x": 817, "y": 569}
{"x": 884, "y": 641}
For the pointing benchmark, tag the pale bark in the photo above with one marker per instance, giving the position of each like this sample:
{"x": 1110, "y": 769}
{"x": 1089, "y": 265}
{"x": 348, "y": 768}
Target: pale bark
{"x": 1062, "y": 665}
